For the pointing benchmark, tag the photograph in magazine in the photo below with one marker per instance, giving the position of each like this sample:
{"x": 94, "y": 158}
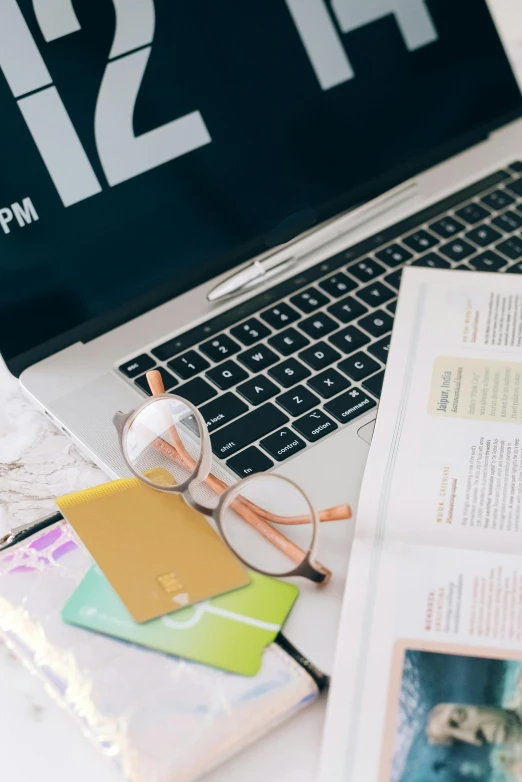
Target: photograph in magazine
{"x": 454, "y": 715}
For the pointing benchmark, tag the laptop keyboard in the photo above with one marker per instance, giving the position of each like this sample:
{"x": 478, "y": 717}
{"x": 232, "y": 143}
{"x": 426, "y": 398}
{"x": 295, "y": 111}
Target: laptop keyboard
{"x": 279, "y": 372}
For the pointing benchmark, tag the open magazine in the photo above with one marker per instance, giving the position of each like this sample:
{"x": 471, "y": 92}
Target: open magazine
{"x": 427, "y": 684}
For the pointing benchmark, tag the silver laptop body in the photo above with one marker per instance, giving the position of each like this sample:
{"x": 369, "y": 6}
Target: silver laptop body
{"x": 80, "y": 386}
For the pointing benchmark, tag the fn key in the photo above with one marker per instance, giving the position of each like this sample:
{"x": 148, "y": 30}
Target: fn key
{"x": 249, "y": 462}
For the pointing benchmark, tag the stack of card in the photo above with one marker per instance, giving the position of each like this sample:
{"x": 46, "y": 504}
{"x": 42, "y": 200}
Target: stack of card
{"x": 164, "y": 579}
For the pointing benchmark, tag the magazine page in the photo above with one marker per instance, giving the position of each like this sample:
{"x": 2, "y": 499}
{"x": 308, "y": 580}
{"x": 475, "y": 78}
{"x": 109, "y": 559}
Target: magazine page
{"x": 428, "y": 677}
{"x": 447, "y": 443}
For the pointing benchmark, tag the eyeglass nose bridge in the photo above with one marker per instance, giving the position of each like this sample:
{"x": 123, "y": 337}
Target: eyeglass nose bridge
{"x": 119, "y": 420}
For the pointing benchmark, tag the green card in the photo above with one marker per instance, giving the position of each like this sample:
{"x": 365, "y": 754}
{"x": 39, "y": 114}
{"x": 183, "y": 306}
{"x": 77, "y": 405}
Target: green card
{"x": 230, "y": 631}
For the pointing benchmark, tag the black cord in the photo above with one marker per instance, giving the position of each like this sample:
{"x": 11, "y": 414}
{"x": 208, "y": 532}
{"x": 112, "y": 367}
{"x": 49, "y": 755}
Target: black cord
{"x": 321, "y": 679}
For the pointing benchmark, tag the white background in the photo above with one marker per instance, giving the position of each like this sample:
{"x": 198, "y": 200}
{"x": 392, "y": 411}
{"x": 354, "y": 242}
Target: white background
{"x": 38, "y": 741}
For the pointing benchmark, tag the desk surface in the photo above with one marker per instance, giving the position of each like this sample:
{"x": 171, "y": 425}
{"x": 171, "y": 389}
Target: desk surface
{"x": 37, "y": 463}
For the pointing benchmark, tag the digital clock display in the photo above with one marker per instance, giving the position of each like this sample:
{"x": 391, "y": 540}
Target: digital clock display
{"x": 149, "y": 144}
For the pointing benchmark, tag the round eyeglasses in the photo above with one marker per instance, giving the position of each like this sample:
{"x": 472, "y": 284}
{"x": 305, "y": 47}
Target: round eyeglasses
{"x": 267, "y": 520}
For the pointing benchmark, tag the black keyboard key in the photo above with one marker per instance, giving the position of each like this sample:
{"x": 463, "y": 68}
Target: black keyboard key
{"x": 462, "y": 267}
{"x": 349, "y": 405}
{"x": 249, "y": 462}
{"x": 258, "y": 390}
{"x": 488, "y": 262}
{"x": 516, "y": 166}
{"x": 381, "y": 349}
{"x": 329, "y": 383}
{"x": 447, "y": 227}
{"x": 283, "y": 444}
{"x": 280, "y": 315}
{"x": 318, "y": 326}
{"x": 420, "y": 241}
{"x": 235, "y": 436}
{"x": 515, "y": 268}
{"x": 432, "y": 261}
{"x": 483, "y": 235}
{"x": 374, "y": 384}
{"x": 347, "y": 309}
{"x": 258, "y": 358}
{"x": 457, "y": 250}
{"x": 219, "y": 348}
{"x": 394, "y": 255}
{"x": 222, "y": 410}
{"x": 508, "y": 222}
{"x": 338, "y": 285}
{"x": 169, "y": 381}
{"x": 289, "y": 372}
{"x": 319, "y": 356}
{"x": 314, "y": 425}
{"x": 298, "y": 400}
{"x": 227, "y": 375}
{"x": 394, "y": 279}
{"x": 196, "y": 391}
{"x": 473, "y": 213}
{"x": 511, "y": 247}
{"x": 498, "y": 200}
{"x": 392, "y": 306}
{"x": 136, "y": 366}
{"x": 188, "y": 365}
{"x": 169, "y": 348}
{"x": 366, "y": 269}
{"x": 359, "y": 366}
{"x": 309, "y": 300}
{"x": 349, "y": 339}
{"x": 516, "y": 187}
{"x": 250, "y": 332}
{"x": 377, "y": 324}
{"x": 376, "y": 294}
{"x": 288, "y": 341}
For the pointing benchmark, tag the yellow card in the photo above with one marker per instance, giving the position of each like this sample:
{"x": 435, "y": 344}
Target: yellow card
{"x": 158, "y": 554}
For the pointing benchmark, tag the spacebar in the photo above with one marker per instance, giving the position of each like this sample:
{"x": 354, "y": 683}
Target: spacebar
{"x": 245, "y": 430}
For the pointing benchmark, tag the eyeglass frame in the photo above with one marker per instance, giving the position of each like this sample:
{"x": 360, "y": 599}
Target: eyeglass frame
{"x": 316, "y": 573}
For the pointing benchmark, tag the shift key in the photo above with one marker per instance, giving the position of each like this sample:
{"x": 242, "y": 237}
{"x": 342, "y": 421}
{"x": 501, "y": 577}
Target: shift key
{"x": 261, "y": 421}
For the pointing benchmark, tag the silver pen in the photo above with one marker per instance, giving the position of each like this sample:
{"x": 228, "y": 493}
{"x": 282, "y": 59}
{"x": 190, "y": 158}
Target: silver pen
{"x": 276, "y": 261}
{"x": 254, "y": 273}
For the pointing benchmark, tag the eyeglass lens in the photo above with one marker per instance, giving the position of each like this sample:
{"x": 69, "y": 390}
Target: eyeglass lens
{"x": 166, "y": 435}
{"x": 268, "y": 522}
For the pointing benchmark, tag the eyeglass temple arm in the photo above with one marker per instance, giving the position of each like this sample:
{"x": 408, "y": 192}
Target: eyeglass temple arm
{"x": 178, "y": 452}
{"x": 260, "y": 525}
{"x": 335, "y": 513}
{"x": 280, "y": 541}
{"x": 248, "y": 510}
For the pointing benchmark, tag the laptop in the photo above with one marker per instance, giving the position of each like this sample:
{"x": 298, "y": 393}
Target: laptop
{"x": 152, "y": 151}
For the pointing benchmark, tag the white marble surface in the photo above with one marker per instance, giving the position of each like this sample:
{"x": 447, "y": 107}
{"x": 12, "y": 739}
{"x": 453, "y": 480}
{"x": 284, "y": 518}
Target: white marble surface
{"x": 37, "y": 463}
{"x": 37, "y": 739}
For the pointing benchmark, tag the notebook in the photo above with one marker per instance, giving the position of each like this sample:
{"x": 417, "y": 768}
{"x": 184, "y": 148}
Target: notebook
{"x": 161, "y": 718}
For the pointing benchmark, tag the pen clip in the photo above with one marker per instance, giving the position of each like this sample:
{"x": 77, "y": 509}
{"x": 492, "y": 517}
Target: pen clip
{"x": 266, "y": 275}
{"x": 17, "y": 534}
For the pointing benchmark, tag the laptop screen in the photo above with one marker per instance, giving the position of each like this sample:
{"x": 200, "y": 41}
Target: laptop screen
{"x": 148, "y": 146}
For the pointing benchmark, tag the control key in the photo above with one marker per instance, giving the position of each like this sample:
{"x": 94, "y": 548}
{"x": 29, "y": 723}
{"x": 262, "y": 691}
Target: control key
{"x": 282, "y": 444}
